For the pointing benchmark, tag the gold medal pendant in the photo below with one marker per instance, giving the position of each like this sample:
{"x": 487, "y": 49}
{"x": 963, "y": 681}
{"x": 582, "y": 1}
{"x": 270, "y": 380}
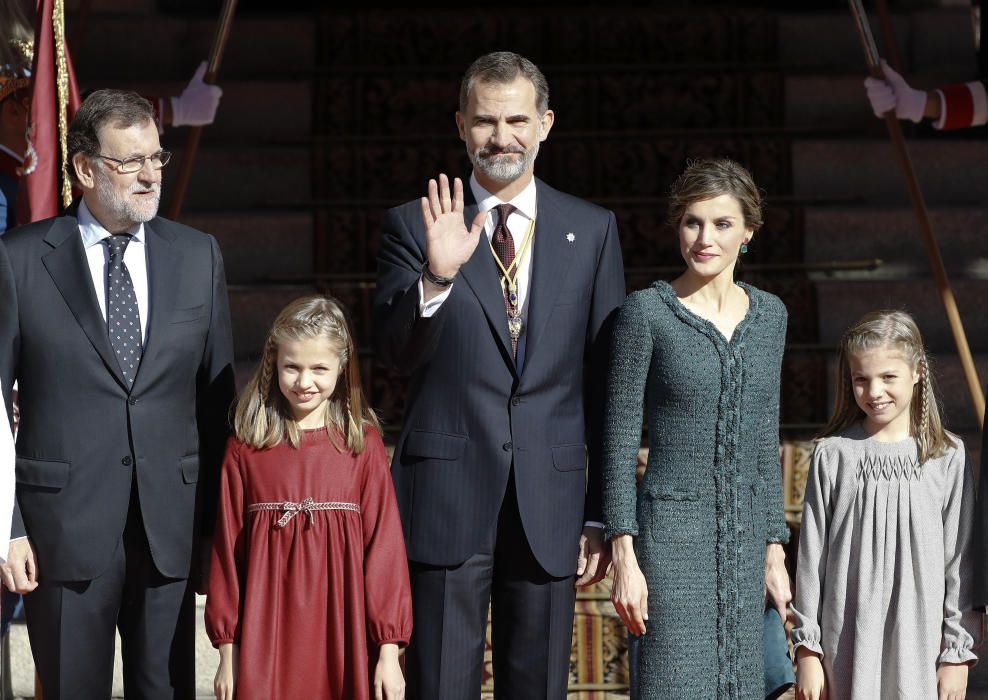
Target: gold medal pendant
{"x": 509, "y": 283}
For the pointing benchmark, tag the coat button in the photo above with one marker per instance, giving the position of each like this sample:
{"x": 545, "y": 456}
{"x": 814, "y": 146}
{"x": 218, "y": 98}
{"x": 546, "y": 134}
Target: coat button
{"x": 132, "y": 401}
{"x": 515, "y": 401}
{"x": 506, "y": 447}
{"x": 126, "y": 461}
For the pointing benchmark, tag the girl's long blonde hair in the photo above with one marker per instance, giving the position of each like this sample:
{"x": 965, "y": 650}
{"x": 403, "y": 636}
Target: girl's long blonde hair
{"x": 897, "y": 331}
{"x": 263, "y": 416}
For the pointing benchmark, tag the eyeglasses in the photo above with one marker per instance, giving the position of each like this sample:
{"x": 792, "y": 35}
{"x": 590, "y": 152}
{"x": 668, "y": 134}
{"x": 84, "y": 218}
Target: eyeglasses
{"x": 136, "y": 163}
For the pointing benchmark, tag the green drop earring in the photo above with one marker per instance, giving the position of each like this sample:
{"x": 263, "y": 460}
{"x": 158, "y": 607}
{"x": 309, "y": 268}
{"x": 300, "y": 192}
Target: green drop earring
{"x": 744, "y": 247}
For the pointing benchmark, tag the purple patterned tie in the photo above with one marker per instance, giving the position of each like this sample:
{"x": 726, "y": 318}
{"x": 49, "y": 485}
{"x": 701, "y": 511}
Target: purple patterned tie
{"x": 504, "y": 246}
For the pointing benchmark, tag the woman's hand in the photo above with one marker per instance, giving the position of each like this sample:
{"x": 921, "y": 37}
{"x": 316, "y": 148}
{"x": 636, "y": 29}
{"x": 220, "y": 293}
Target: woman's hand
{"x": 630, "y": 592}
{"x": 810, "y": 680}
{"x": 777, "y": 589}
{"x": 389, "y": 684}
{"x": 225, "y": 682}
{"x": 952, "y": 681}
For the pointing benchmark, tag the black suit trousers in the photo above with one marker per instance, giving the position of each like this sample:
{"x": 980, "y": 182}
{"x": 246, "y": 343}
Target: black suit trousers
{"x": 531, "y": 621}
{"x": 71, "y": 625}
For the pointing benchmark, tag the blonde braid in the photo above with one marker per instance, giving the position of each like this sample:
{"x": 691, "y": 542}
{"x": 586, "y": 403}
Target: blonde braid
{"x": 921, "y": 427}
{"x": 928, "y": 399}
{"x": 267, "y": 366}
{"x": 924, "y": 422}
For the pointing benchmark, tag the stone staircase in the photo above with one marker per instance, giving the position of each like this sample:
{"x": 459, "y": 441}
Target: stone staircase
{"x": 330, "y": 116}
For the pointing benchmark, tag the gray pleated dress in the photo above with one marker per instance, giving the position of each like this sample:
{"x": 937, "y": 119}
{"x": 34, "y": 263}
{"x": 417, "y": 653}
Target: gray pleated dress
{"x": 884, "y": 576}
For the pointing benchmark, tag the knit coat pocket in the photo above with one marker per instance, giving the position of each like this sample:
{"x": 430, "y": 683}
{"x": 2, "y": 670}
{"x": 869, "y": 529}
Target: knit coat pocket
{"x": 673, "y": 511}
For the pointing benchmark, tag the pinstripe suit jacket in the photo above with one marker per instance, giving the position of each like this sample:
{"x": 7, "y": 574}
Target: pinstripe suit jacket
{"x": 470, "y": 414}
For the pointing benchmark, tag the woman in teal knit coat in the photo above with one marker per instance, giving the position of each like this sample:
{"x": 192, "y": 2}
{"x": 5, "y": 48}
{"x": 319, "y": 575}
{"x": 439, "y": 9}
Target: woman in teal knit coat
{"x": 698, "y": 547}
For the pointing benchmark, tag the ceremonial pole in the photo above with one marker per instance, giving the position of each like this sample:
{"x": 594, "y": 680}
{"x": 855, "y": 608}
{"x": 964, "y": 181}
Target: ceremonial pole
{"x": 192, "y": 143}
{"x": 888, "y": 33}
{"x": 926, "y": 229}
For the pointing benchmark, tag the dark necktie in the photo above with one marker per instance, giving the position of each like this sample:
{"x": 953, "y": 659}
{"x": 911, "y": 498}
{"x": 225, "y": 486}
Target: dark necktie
{"x": 504, "y": 246}
{"x": 123, "y": 320}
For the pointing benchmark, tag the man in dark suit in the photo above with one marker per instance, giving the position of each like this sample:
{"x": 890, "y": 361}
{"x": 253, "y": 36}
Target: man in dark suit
{"x": 495, "y": 301}
{"x": 116, "y": 325}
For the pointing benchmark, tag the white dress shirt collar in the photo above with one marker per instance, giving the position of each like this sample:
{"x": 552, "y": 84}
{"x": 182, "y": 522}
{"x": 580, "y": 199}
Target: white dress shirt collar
{"x": 524, "y": 202}
{"x": 93, "y": 231}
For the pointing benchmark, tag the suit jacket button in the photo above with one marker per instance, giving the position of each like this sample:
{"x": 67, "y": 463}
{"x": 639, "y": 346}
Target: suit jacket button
{"x": 515, "y": 401}
{"x": 132, "y": 401}
{"x": 126, "y": 461}
{"x": 506, "y": 447}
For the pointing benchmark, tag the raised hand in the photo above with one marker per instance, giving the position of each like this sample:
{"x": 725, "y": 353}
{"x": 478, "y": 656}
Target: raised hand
{"x": 448, "y": 243}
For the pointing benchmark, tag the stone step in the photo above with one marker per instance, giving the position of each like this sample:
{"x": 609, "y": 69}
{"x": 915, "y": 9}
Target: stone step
{"x": 893, "y": 234}
{"x": 259, "y": 244}
{"x": 382, "y": 101}
{"x": 259, "y": 48}
{"x": 598, "y": 164}
{"x": 939, "y": 37}
{"x": 839, "y": 101}
{"x": 253, "y": 309}
{"x": 134, "y": 7}
{"x": 868, "y": 169}
{"x": 579, "y": 36}
{"x": 226, "y": 176}
{"x": 251, "y": 112}
{"x": 842, "y": 302}
{"x": 942, "y": 37}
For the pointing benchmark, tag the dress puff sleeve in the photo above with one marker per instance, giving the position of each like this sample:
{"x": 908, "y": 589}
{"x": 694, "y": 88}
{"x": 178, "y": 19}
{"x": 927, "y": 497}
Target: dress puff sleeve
{"x": 228, "y": 568}
{"x": 811, "y": 565}
{"x": 959, "y": 620}
{"x": 627, "y": 375}
{"x": 387, "y": 594}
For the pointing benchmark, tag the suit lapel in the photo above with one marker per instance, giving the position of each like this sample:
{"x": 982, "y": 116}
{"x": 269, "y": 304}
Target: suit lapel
{"x": 69, "y": 269}
{"x": 552, "y": 256}
{"x": 480, "y": 274}
{"x": 164, "y": 262}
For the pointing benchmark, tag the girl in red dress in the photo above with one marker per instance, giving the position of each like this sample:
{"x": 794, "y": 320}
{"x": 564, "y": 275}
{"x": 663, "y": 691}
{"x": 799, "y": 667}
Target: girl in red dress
{"x": 308, "y": 589}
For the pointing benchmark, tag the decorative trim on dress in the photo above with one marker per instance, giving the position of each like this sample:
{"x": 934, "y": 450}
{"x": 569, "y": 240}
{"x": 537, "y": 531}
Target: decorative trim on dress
{"x": 889, "y": 468}
{"x": 308, "y": 506}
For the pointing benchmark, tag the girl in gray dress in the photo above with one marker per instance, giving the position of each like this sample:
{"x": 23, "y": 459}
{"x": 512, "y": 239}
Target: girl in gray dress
{"x": 884, "y": 573}
{"x": 697, "y": 546}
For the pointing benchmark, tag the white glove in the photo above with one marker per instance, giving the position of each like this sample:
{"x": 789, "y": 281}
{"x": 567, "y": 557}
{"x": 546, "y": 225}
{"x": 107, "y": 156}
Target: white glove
{"x": 894, "y": 93}
{"x": 197, "y": 104}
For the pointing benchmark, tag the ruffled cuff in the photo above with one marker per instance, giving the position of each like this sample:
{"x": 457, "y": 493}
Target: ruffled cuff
{"x": 620, "y": 527}
{"x": 223, "y": 632}
{"x": 217, "y": 641}
{"x": 389, "y": 634}
{"x": 806, "y": 637}
{"x": 401, "y": 641}
{"x": 957, "y": 655}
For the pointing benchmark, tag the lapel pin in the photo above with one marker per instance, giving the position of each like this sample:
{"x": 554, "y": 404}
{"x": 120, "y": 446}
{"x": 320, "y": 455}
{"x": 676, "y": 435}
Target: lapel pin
{"x": 570, "y": 237}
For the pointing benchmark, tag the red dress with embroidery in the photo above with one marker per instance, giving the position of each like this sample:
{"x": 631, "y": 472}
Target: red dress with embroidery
{"x": 308, "y": 573}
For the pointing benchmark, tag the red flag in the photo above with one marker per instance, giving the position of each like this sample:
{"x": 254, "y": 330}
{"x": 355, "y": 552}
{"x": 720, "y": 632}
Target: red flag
{"x": 41, "y": 190}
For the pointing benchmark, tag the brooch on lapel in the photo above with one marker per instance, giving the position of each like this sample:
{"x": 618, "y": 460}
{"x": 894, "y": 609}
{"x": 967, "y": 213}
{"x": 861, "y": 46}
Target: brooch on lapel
{"x": 570, "y": 237}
